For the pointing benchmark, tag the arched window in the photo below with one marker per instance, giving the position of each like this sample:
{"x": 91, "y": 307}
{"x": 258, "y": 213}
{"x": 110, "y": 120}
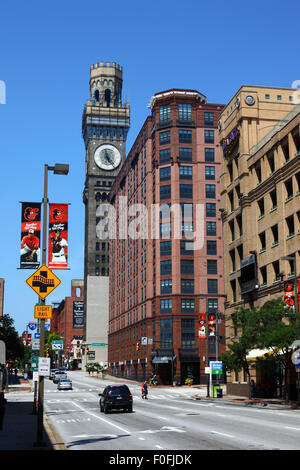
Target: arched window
{"x": 96, "y": 96}
{"x": 107, "y": 97}
{"x": 98, "y": 196}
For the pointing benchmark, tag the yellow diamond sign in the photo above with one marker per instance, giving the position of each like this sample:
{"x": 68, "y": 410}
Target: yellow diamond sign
{"x": 43, "y": 281}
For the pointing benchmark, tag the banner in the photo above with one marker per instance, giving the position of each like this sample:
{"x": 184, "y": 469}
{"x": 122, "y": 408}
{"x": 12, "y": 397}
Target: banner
{"x": 30, "y": 235}
{"x": 289, "y": 293}
{"x": 58, "y": 236}
{"x": 211, "y": 324}
{"x": 78, "y": 313}
{"x": 202, "y": 325}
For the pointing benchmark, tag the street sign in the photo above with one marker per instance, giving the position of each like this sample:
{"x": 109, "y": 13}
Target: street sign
{"x": 99, "y": 344}
{"x": 144, "y": 340}
{"x": 44, "y": 366}
{"x": 35, "y": 344}
{"x": 43, "y": 311}
{"x": 43, "y": 281}
{"x": 216, "y": 367}
{"x": 57, "y": 344}
{"x": 91, "y": 355}
{"x": 34, "y": 363}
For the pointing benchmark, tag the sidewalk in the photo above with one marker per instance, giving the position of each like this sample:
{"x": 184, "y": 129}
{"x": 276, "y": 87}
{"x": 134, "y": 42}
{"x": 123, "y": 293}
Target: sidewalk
{"x": 20, "y": 424}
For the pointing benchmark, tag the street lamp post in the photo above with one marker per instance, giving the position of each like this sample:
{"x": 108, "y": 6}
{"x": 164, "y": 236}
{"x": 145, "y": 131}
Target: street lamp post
{"x": 58, "y": 169}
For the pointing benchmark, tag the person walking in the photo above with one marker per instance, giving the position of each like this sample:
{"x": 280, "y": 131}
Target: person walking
{"x": 145, "y": 390}
{"x": 3, "y": 402}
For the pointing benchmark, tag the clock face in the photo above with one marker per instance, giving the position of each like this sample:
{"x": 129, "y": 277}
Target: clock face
{"x": 107, "y": 157}
{"x": 249, "y": 100}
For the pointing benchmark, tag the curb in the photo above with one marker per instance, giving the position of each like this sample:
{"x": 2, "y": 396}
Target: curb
{"x": 53, "y": 435}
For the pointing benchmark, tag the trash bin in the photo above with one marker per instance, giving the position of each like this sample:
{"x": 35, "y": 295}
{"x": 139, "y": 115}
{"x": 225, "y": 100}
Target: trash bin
{"x": 215, "y": 391}
{"x": 219, "y": 393}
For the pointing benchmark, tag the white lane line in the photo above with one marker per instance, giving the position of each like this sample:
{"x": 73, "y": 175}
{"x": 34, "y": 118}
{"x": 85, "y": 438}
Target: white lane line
{"x": 290, "y": 427}
{"x": 159, "y": 447}
{"x": 221, "y": 434}
{"x": 102, "y": 419}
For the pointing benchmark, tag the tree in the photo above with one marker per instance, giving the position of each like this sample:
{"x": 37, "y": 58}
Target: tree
{"x": 279, "y": 328}
{"x": 244, "y": 322}
{"x": 15, "y": 349}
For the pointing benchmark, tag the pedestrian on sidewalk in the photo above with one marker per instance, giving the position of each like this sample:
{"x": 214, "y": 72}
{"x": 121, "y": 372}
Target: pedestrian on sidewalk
{"x": 252, "y": 389}
{"x": 3, "y": 402}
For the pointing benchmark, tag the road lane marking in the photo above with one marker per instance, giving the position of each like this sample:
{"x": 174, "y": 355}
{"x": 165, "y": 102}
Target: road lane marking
{"x": 103, "y": 419}
{"x": 221, "y": 434}
{"x": 294, "y": 429}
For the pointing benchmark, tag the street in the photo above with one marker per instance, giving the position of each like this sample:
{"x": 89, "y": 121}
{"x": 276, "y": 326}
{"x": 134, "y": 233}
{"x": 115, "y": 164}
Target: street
{"x": 171, "y": 419}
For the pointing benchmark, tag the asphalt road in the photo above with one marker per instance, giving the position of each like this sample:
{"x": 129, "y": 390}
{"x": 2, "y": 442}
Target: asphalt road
{"x": 169, "y": 420}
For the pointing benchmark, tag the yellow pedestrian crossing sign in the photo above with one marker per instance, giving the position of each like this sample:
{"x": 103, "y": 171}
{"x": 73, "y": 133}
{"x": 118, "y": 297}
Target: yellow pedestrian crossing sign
{"x": 43, "y": 281}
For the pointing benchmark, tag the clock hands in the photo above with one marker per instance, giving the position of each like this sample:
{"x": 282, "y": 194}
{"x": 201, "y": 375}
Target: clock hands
{"x": 108, "y": 158}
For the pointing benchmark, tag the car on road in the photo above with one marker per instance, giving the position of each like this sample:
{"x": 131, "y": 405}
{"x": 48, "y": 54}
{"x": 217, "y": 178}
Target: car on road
{"x": 115, "y": 397}
{"x": 64, "y": 384}
{"x": 58, "y": 376}
{"x": 52, "y": 372}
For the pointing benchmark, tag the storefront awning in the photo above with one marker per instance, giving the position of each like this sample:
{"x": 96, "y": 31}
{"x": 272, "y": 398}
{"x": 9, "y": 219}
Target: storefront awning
{"x": 161, "y": 360}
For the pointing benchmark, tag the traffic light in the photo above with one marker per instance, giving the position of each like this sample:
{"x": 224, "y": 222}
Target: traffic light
{"x": 138, "y": 346}
{"x": 47, "y": 352}
{"x": 87, "y": 350}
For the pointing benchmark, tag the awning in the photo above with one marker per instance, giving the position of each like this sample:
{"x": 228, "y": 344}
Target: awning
{"x": 255, "y": 354}
{"x": 161, "y": 360}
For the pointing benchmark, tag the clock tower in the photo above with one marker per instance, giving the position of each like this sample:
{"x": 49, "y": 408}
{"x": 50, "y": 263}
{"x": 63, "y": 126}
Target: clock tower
{"x": 105, "y": 125}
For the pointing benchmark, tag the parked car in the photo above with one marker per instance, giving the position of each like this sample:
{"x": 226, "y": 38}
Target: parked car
{"x": 64, "y": 384}
{"x": 52, "y": 372}
{"x": 58, "y": 376}
{"x": 115, "y": 397}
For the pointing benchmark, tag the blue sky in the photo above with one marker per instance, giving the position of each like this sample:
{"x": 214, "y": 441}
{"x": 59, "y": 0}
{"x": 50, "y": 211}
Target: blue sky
{"x": 45, "y": 56}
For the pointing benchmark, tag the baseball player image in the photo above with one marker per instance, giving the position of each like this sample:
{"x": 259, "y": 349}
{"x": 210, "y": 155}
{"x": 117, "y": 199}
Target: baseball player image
{"x": 30, "y": 247}
{"x": 59, "y": 248}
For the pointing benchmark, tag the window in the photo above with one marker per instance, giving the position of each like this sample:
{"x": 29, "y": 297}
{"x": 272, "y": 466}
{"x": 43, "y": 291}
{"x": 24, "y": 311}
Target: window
{"x": 166, "y": 267}
{"x": 267, "y": 96}
{"x": 290, "y": 226}
{"x": 186, "y": 191}
{"x": 186, "y": 248}
{"x": 211, "y": 229}
{"x": 209, "y": 154}
{"x": 289, "y": 188}
{"x": 97, "y": 246}
{"x": 185, "y": 111}
{"x": 209, "y": 137}
{"x": 212, "y": 305}
{"x": 186, "y": 172}
{"x": 166, "y": 286}
{"x": 211, "y": 246}
{"x": 166, "y": 333}
{"x": 262, "y": 238}
{"x": 274, "y": 231}
{"x": 165, "y": 173}
{"x": 212, "y": 266}
{"x": 165, "y": 248}
{"x": 210, "y": 209}
{"x": 212, "y": 286}
{"x": 165, "y": 156}
{"x": 261, "y": 207}
{"x": 187, "y": 229}
{"x": 164, "y": 138}
{"x": 164, "y": 113}
{"x": 187, "y": 266}
{"x": 210, "y": 191}
{"x": 185, "y": 154}
{"x": 279, "y": 97}
{"x": 165, "y": 305}
{"x": 209, "y": 119}
{"x": 187, "y": 339}
{"x": 185, "y": 136}
{"x": 165, "y": 192}
{"x": 187, "y": 305}
{"x": 187, "y": 286}
{"x": 165, "y": 229}
{"x": 209, "y": 172}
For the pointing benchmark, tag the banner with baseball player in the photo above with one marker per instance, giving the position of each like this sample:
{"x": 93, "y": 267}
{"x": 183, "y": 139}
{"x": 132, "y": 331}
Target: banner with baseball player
{"x": 58, "y": 236}
{"x": 30, "y": 235}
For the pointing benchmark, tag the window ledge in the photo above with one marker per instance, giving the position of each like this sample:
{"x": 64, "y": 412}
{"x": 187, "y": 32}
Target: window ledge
{"x": 262, "y": 250}
{"x": 273, "y": 209}
{"x": 261, "y": 216}
{"x": 289, "y": 198}
{"x": 291, "y": 235}
{"x": 274, "y": 244}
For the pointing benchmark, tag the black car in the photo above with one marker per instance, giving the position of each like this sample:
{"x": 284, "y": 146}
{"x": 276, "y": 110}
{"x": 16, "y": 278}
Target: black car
{"x": 115, "y": 397}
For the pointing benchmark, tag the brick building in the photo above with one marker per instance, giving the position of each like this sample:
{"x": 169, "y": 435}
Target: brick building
{"x": 67, "y": 321}
{"x": 160, "y": 281}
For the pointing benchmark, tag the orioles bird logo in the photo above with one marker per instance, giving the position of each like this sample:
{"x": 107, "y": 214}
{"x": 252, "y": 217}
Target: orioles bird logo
{"x": 57, "y": 214}
{"x": 30, "y": 213}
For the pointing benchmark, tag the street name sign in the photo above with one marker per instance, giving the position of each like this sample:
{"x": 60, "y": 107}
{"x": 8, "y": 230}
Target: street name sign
{"x": 57, "y": 344}
{"x": 43, "y": 311}
{"x": 216, "y": 367}
{"x": 43, "y": 281}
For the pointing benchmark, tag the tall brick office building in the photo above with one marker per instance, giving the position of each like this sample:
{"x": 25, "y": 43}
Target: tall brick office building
{"x": 160, "y": 282}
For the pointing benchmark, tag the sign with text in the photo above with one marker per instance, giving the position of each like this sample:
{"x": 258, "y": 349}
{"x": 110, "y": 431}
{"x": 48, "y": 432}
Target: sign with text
{"x": 57, "y": 344}
{"x": 78, "y": 313}
{"x": 58, "y": 236}
{"x": 44, "y": 366}
{"x": 30, "y": 235}
{"x": 43, "y": 311}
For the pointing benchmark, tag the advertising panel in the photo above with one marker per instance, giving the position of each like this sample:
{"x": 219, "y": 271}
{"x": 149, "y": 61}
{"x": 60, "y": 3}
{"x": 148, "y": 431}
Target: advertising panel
{"x": 30, "y": 235}
{"x": 58, "y": 236}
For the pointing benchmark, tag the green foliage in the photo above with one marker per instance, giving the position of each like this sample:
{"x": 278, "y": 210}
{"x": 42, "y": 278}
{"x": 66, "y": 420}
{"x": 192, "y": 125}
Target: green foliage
{"x": 15, "y": 350}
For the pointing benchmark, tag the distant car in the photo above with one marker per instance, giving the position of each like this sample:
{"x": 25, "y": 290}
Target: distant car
{"x": 64, "y": 384}
{"x": 58, "y": 376}
{"x": 115, "y": 397}
{"x": 52, "y": 372}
